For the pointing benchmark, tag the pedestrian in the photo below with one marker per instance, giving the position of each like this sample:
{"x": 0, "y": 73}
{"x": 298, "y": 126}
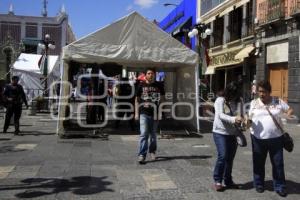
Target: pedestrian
{"x": 224, "y": 134}
{"x": 267, "y": 138}
{"x": 253, "y": 90}
{"x": 14, "y": 97}
{"x": 149, "y": 95}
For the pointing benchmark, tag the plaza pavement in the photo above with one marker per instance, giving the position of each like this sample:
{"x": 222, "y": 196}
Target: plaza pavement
{"x": 39, "y": 165}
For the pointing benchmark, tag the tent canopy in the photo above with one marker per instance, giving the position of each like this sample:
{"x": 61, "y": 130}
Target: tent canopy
{"x": 31, "y": 78}
{"x": 29, "y": 63}
{"x": 132, "y": 41}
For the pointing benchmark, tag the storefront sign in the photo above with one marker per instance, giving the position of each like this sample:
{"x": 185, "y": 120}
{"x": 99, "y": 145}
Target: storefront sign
{"x": 225, "y": 59}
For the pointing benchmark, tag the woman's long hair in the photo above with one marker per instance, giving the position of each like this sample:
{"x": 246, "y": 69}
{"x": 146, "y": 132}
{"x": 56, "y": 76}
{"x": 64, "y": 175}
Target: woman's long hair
{"x": 232, "y": 92}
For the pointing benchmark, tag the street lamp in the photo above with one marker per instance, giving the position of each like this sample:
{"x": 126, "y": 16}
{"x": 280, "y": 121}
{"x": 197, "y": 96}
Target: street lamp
{"x": 45, "y": 45}
{"x": 202, "y": 30}
{"x": 170, "y": 4}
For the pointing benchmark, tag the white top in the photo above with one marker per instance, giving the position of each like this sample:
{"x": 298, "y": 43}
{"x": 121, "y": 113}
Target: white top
{"x": 263, "y": 126}
{"x": 224, "y": 119}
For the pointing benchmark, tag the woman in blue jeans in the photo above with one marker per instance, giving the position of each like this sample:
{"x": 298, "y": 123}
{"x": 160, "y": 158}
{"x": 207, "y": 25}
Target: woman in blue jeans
{"x": 224, "y": 135}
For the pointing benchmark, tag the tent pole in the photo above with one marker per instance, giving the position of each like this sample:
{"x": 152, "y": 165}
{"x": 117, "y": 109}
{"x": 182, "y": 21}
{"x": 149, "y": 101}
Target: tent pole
{"x": 197, "y": 77}
{"x": 63, "y": 98}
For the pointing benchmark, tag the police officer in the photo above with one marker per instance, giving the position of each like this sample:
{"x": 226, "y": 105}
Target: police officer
{"x": 14, "y": 97}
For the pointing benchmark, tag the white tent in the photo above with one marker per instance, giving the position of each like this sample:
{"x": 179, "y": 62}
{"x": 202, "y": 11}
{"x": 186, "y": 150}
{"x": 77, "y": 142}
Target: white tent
{"x": 27, "y": 68}
{"x": 135, "y": 43}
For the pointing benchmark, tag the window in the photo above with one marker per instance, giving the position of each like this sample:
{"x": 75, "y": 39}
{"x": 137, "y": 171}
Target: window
{"x": 249, "y": 19}
{"x": 218, "y": 31}
{"x": 235, "y": 24}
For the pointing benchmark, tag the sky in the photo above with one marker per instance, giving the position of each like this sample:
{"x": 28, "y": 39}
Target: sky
{"x": 87, "y": 16}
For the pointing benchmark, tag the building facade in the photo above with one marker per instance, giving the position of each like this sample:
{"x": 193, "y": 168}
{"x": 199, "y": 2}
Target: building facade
{"x": 23, "y": 33}
{"x": 231, "y": 45}
{"x": 278, "y": 31}
{"x": 179, "y": 22}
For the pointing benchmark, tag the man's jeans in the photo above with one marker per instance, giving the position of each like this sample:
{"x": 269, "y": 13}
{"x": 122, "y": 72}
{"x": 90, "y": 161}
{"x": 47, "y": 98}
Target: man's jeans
{"x": 260, "y": 149}
{"x": 226, "y": 147}
{"x": 148, "y": 127}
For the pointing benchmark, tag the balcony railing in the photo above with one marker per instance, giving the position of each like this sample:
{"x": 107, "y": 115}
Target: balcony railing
{"x": 271, "y": 10}
{"x": 295, "y": 7}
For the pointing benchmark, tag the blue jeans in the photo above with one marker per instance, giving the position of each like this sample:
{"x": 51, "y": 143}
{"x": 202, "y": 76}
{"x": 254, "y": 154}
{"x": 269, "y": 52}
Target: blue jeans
{"x": 148, "y": 127}
{"x": 260, "y": 149}
{"x": 226, "y": 147}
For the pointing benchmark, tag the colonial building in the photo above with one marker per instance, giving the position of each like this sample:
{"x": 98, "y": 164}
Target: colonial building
{"x": 231, "y": 45}
{"x": 23, "y": 33}
{"x": 278, "y": 31}
{"x": 180, "y": 20}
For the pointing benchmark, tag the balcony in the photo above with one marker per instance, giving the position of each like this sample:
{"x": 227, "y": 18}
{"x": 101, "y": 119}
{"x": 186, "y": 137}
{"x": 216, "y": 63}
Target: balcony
{"x": 295, "y": 8}
{"x": 272, "y": 10}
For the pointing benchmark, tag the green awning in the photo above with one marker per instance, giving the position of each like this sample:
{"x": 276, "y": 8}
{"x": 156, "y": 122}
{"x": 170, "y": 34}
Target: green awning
{"x": 31, "y": 41}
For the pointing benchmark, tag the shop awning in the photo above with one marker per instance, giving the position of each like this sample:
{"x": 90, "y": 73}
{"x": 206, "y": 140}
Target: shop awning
{"x": 244, "y": 53}
{"x": 227, "y": 10}
{"x": 210, "y": 70}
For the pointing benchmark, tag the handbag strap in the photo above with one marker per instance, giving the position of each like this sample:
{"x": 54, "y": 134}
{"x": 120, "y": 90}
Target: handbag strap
{"x": 275, "y": 121}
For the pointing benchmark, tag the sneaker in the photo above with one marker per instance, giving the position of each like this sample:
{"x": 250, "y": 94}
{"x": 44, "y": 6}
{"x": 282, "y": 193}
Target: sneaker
{"x": 259, "y": 189}
{"x": 218, "y": 187}
{"x": 152, "y": 156}
{"x": 141, "y": 159}
{"x": 233, "y": 186}
{"x": 282, "y": 192}
{"x": 17, "y": 132}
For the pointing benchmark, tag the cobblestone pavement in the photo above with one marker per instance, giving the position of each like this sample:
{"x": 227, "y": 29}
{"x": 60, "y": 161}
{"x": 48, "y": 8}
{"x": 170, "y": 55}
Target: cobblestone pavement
{"x": 39, "y": 165}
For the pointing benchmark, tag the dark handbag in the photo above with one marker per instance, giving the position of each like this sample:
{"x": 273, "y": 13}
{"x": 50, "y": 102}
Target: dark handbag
{"x": 241, "y": 138}
{"x": 288, "y": 142}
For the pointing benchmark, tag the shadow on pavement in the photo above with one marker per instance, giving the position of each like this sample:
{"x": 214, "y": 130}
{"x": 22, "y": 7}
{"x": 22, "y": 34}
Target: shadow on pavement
{"x": 35, "y": 133}
{"x": 81, "y": 185}
{"x": 292, "y": 187}
{"x": 166, "y": 158}
{"x": 10, "y": 149}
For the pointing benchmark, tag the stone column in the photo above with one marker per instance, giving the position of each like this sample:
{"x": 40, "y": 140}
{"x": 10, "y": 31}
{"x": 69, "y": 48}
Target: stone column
{"x": 244, "y": 22}
{"x": 211, "y": 41}
{"x": 39, "y": 35}
{"x": 23, "y": 30}
{"x": 226, "y": 34}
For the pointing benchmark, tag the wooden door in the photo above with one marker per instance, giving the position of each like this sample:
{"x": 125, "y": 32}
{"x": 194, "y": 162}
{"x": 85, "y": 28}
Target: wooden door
{"x": 279, "y": 80}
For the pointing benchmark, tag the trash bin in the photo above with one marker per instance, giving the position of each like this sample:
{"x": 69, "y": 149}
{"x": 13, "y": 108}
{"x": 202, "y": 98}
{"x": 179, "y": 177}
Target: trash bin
{"x": 32, "y": 108}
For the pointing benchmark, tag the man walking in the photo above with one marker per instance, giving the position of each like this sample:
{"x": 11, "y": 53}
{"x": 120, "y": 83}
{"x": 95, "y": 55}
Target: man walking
{"x": 14, "y": 97}
{"x": 148, "y": 97}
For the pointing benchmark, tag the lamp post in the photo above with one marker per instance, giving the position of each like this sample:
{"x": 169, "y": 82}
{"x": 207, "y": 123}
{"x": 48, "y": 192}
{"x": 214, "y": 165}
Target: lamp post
{"x": 46, "y": 44}
{"x": 202, "y": 31}
{"x": 170, "y": 4}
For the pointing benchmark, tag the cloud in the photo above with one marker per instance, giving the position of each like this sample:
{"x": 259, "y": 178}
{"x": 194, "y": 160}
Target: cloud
{"x": 145, "y": 3}
{"x": 129, "y": 8}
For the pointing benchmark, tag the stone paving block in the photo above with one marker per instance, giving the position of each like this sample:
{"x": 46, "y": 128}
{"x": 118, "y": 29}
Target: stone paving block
{"x": 160, "y": 185}
{"x": 25, "y": 146}
{"x": 3, "y": 175}
{"x": 24, "y": 171}
{"x": 167, "y": 195}
{"x": 130, "y": 138}
{"x": 7, "y": 168}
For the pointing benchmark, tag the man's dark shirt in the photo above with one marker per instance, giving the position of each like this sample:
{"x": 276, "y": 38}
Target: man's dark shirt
{"x": 15, "y": 93}
{"x": 149, "y": 93}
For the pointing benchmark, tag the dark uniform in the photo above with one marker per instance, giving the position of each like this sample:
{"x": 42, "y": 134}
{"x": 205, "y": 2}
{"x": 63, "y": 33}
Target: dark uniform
{"x": 14, "y": 97}
{"x": 125, "y": 92}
